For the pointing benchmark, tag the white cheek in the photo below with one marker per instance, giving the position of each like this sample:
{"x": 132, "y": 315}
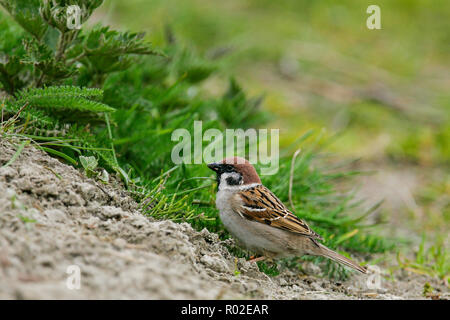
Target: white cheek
{"x": 223, "y": 180}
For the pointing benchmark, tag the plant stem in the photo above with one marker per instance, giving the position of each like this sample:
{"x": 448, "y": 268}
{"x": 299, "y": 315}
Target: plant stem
{"x": 62, "y": 43}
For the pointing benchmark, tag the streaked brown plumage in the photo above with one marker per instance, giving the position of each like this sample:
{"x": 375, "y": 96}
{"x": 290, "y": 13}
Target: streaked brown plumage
{"x": 260, "y": 204}
{"x": 260, "y": 221}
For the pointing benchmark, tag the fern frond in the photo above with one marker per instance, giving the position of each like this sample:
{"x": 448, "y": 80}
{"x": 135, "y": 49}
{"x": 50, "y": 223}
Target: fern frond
{"x": 69, "y": 103}
{"x": 64, "y": 97}
{"x": 60, "y": 91}
{"x": 35, "y": 115}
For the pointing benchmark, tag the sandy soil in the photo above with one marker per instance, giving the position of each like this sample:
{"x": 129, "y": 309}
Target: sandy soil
{"x": 53, "y": 217}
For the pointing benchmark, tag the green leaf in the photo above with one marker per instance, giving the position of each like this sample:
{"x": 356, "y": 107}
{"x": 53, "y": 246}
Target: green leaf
{"x": 17, "y": 153}
{"x": 59, "y": 154}
{"x": 26, "y": 13}
{"x": 88, "y": 163}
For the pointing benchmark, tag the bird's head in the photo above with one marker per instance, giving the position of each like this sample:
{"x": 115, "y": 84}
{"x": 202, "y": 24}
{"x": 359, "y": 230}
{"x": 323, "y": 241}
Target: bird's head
{"x": 234, "y": 171}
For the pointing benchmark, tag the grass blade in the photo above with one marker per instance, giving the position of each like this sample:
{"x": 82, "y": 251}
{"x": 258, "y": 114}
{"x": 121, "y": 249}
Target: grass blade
{"x": 59, "y": 154}
{"x": 17, "y": 154}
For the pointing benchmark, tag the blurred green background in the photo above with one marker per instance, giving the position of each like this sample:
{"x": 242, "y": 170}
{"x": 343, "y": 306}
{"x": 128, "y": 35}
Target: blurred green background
{"x": 383, "y": 94}
{"x": 386, "y": 91}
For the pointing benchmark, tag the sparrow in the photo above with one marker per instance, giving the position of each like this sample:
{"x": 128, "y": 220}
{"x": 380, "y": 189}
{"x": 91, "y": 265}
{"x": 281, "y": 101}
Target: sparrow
{"x": 260, "y": 221}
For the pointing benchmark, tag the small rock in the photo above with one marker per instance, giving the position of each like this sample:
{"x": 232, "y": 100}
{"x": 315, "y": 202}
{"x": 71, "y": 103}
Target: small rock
{"x": 109, "y": 212}
{"x": 7, "y": 172}
{"x": 48, "y": 190}
{"x": 138, "y": 221}
{"x": 119, "y": 243}
{"x": 87, "y": 190}
{"x": 214, "y": 263}
{"x": 55, "y": 215}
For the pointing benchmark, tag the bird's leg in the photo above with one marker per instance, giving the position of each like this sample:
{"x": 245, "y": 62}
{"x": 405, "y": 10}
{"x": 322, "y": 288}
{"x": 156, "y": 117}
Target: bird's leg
{"x": 254, "y": 259}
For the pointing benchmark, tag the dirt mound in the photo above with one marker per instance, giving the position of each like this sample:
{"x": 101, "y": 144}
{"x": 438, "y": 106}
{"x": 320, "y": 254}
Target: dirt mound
{"x": 53, "y": 218}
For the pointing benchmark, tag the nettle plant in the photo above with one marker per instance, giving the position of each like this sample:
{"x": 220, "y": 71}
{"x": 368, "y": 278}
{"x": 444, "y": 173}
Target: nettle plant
{"x": 46, "y": 68}
{"x": 103, "y": 99}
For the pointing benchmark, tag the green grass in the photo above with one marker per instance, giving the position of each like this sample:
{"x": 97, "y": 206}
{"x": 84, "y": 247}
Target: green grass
{"x": 432, "y": 260}
{"x": 143, "y": 92}
{"x": 382, "y": 93}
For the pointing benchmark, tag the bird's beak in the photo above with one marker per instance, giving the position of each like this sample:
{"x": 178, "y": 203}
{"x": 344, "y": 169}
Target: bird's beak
{"x": 214, "y": 166}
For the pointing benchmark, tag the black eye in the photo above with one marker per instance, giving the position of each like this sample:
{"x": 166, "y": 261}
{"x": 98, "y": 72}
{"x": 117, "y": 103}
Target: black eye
{"x": 234, "y": 180}
{"x": 229, "y": 168}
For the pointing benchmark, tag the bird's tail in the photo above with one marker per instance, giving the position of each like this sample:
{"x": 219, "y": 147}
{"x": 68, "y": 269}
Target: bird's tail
{"x": 325, "y": 252}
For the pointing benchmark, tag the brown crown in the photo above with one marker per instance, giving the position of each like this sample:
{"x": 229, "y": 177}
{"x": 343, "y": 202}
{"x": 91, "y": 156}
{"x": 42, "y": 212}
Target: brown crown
{"x": 245, "y": 168}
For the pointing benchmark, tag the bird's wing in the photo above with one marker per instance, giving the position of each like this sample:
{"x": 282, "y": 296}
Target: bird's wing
{"x": 260, "y": 204}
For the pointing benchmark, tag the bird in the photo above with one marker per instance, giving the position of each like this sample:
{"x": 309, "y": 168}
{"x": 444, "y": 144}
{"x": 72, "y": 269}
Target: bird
{"x": 260, "y": 221}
